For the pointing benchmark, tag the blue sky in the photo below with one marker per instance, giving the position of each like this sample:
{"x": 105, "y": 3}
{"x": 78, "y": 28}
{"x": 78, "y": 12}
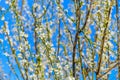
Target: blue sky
{"x": 66, "y": 2}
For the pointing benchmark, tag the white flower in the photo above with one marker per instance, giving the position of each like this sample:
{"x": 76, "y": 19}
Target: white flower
{"x": 97, "y": 32}
{"x": 26, "y": 35}
{"x": 31, "y": 69}
{"x": 35, "y": 5}
{"x": 70, "y": 21}
{"x": 61, "y": 1}
{"x": 7, "y": 2}
{"x": 3, "y": 18}
{"x": 1, "y": 40}
{"x": 6, "y": 54}
{"x": 23, "y": 61}
{"x": 112, "y": 33}
{"x": 20, "y": 55}
{"x": 110, "y": 44}
{"x": 22, "y": 17}
{"x": 60, "y": 14}
{"x": 105, "y": 57}
{"x": 23, "y": 34}
{"x": 70, "y": 78}
{"x": 42, "y": 35}
{"x": 33, "y": 76}
{"x": 3, "y": 9}
{"x": 44, "y": 7}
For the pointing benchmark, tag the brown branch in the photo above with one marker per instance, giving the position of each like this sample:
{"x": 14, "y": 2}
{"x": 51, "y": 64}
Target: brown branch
{"x": 106, "y": 71}
{"x": 13, "y": 52}
{"x": 76, "y": 38}
{"x": 58, "y": 33}
{"x": 68, "y": 31}
{"x": 118, "y": 37}
{"x": 77, "y": 34}
{"x": 45, "y": 10}
{"x": 102, "y": 42}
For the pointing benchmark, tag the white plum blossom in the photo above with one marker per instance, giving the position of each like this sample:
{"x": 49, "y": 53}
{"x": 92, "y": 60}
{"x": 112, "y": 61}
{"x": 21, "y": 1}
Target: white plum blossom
{"x": 3, "y": 18}
{"x": 59, "y": 39}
